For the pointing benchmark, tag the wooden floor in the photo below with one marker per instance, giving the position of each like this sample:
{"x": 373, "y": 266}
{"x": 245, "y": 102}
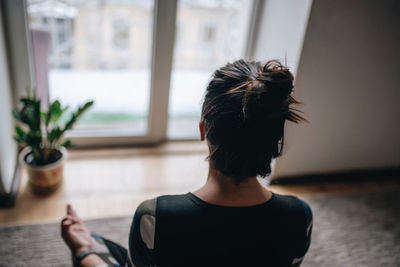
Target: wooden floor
{"x": 113, "y": 182}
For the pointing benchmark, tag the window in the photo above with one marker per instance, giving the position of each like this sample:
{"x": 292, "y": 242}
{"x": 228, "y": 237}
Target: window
{"x": 211, "y": 33}
{"x": 90, "y": 56}
{"x": 145, "y": 63}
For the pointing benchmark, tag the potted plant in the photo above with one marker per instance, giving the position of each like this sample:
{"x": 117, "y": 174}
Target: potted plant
{"x": 41, "y": 135}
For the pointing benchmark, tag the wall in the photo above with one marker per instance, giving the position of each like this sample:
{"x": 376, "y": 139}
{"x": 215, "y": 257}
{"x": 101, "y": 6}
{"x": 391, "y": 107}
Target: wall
{"x": 349, "y": 79}
{"x": 281, "y": 31}
{"x": 8, "y": 150}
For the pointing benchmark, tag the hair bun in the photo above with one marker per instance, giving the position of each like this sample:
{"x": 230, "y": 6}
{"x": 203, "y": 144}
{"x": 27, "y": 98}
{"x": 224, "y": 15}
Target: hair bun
{"x": 277, "y": 78}
{"x": 268, "y": 96}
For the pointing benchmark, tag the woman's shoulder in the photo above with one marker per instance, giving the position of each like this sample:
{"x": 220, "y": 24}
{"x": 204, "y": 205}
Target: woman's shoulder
{"x": 290, "y": 200}
{"x": 149, "y": 206}
{"x": 293, "y": 204}
{"x": 300, "y": 210}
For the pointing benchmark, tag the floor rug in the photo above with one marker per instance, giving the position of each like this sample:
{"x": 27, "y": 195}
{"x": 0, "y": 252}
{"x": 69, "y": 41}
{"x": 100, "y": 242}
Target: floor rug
{"x": 353, "y": 229}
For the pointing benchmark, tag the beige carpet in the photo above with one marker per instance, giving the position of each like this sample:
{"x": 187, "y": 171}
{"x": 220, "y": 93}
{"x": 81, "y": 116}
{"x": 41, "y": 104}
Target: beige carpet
{"x": 351, "y": 230}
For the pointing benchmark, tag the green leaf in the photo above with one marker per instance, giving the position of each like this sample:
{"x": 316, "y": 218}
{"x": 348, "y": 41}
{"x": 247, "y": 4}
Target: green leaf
{"x": 27, "y": 100}
{"x": 19, "y": 131}
{"x": 67, "y": 144}
{"x": 21, "y": 136}
{"x": 17, "y": 114}
{"x": 54, "y": 135}
{"x": 29, "y": 114}
{"x": 54, "y": 112}
{"x": 77, "y": 114}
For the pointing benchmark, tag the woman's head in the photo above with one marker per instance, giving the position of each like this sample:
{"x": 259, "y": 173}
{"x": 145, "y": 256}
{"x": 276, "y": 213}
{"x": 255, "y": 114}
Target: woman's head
{"x": 244, "y": 112}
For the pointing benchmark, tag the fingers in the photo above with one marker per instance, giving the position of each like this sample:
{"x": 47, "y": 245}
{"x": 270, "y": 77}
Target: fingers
{"x": 68, "y": 224}
{"x": 68, "y": 221}
{"x": 71, "y": 211}
{"x": 65, "y": 225}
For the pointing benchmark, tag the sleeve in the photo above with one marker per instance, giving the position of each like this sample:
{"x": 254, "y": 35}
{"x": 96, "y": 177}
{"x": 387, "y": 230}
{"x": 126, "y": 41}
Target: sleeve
{"x": 307, "y": 235}
{"x": 141, "y": 237}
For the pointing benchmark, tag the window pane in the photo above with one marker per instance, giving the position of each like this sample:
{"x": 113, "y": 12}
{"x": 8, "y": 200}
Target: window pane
{"x": 95, "y": 49}
{"x": 209, "y": 34}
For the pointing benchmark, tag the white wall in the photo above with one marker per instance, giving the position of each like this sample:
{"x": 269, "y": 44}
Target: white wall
{"x": 349, "y": 79}
{"x": 281, "y": 31}
{"x": 8, "y": 149}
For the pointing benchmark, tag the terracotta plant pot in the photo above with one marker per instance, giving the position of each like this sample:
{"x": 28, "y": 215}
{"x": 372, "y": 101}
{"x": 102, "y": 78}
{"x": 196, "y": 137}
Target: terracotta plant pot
{"x": 44, "y": 179}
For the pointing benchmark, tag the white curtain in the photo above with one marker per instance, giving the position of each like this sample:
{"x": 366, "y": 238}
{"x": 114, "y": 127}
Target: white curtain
{"x": 8, "y": 148}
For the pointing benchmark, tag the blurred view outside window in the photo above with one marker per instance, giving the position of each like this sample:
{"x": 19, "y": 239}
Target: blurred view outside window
{"x": 209, "y": 33}
{"x": 95, "y": 49}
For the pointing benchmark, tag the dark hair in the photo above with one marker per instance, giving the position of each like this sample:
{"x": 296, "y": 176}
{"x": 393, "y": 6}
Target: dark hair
{"x": 244, "y": 111}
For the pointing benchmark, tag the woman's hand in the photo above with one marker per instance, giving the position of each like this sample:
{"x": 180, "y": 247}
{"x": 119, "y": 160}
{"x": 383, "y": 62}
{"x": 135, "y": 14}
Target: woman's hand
{"x": 75, "y": 233}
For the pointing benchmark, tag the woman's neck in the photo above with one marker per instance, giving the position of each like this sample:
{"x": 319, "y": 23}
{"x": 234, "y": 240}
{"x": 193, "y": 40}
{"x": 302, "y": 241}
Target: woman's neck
{"x": 223, "y": 190}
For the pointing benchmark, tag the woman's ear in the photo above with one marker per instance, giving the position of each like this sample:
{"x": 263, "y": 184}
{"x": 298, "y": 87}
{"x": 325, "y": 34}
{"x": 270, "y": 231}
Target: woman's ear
{"x": 202, "y": 130}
